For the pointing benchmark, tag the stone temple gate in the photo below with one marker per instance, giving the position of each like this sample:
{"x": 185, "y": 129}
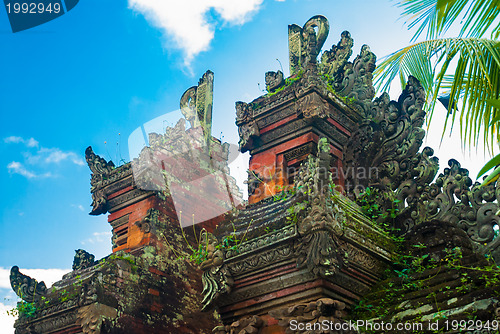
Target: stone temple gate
{"x": 345, "y": 220}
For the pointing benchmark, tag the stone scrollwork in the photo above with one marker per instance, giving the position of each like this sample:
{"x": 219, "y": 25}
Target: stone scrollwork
{"x": 216, "y": 277}
{"x": 100, "y": 171}
{"x": 25, "y": 287}
{"x": 387, "y": 144}
{"x": 334, "y": 60}
{"x": 303, "y": 42}
{"x": 311, "y": 313}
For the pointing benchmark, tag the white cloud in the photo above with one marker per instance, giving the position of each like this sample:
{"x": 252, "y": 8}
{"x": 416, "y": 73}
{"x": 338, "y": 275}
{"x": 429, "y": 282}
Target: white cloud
{"x": 53, "y": 155}
{"x": 16, "y": 167}
{"x": 97, "y": 237}
{"x": 31, "y": 142}
{"x": 186, "y": 23}
{"x": 79, "y": 207}
{"x": 6, "y": 321}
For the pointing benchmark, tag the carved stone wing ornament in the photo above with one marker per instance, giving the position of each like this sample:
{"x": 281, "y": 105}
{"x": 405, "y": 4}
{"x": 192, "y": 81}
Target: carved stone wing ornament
{"x": 304, "y": 43}
{"x": 27, "y": 288}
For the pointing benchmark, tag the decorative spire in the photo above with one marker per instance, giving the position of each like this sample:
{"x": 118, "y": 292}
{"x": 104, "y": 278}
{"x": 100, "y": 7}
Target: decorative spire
{"x": 196, "y": 104}
{"x": 304, "y": 43}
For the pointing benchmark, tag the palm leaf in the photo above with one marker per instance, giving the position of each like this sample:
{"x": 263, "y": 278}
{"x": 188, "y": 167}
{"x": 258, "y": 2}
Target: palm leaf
{"x": 476, "y": 16}
{"x": 489, "y": 165}
{"x": 476, "y": 79}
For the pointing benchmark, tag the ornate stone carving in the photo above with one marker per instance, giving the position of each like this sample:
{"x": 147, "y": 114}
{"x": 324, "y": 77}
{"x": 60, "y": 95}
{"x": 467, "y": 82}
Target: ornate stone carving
{"x": 318, "y": 248}
{"x": 100, "y": 171}
{"x": 312, "y": 315}
{"x": 247, "y": 127}
{"x": 149, "y": 221}
{"x": 274, "y": 80}
{"x": 304, "y": 44}
{"x": 196, "y": 104}
{"x": 91, "y": 317}
{"x": 25, "y": 287}
{"x": 216, "y": 277}
{"x": 248, "y": 325}
{"x": 388, "y": 140}
{"x": 312, "y": 105}
{"x": 334, "y": 60}
{"x": 83, "y": 260}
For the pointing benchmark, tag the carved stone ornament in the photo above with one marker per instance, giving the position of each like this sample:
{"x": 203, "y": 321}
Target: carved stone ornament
{"x": 303, "y": 42}
{"x": 247, "y": 127}
{"x": 387, "y": 144}
{"x": 25, "y": 287}
{"x": 312, "y": 315}
{"x": 334, "y": 60}
{"x": 216, "y": 277}
{"x": 91, "y": 317}
{"x": 318, "y": 248}
{"x": 149, "y": 221}
{"x": 274, "y": 80}
{"x": 248, "y": 325}
{"x": 312, "y": 105}
{"x": 83, "y": 260}
{"x": 100, "y": 170}
{"x": 197, "y": 102}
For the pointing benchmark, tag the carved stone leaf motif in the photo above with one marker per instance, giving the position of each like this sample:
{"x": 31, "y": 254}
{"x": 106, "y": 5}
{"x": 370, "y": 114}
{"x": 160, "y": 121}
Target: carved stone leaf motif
{"x": 83, "y": 260}
{"x": 312, "y": 105}
{"x": 324, "y": 309}
{"x": 91, "y": 317}
{"x": 25, "y": 287}
{"x": 216, "y": 277}
{"x": 100, "y": 171}
{"x": 304, "y": 44}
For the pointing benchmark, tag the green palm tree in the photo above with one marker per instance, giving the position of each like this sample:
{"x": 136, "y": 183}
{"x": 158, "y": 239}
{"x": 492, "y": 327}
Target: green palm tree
{"x": 462, "y": 72}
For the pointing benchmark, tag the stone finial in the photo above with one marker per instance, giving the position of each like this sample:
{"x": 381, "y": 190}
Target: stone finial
{"x": 304, "y": 43}
{"x": 25, "y": 287}
{"x": 196, "y": 104}
{"x": 83, "y": 260}
{"x": 100, "y": 170}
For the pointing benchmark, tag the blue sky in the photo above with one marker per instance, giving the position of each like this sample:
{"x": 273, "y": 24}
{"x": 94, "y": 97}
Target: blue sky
{"x": 95, "y": 74}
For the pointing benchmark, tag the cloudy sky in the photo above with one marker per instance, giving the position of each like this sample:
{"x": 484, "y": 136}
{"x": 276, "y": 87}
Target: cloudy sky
{"x": 97, "y": 73}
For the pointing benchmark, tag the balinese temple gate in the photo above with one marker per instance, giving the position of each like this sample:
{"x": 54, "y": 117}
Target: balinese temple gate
{"x": 345, "y": 221}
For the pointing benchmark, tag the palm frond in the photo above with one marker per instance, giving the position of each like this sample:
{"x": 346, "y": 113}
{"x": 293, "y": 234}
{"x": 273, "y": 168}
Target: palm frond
{"x": 436, "y": 16}
{"x": 476, "y": 79}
